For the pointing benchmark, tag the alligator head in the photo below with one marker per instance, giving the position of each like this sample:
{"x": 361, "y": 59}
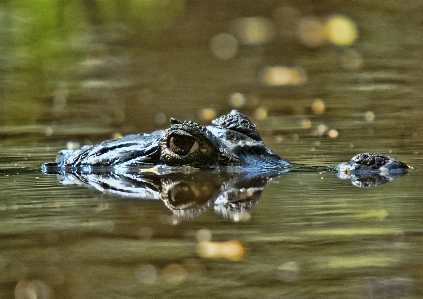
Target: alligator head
{"x": 231, "y": 140}
{"x": 191, "y": 167}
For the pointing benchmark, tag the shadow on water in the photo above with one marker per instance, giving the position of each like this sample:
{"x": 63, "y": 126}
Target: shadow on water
{"x": 75, "y": 73}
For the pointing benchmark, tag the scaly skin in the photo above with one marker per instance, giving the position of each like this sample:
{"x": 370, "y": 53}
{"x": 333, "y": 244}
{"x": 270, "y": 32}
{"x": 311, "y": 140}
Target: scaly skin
{"x": 231, "y": 141}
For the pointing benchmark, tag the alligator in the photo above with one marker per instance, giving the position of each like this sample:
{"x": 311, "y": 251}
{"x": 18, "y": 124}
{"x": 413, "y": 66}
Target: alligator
{"x": 232, "y": 141}
{"x": 191, "y": 167}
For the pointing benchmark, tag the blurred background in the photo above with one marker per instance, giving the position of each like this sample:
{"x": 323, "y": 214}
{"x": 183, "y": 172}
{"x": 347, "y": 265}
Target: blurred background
{"x": 92, "y": 67}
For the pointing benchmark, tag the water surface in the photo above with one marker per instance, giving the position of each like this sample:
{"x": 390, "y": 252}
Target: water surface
{"x": 310, "y": 235}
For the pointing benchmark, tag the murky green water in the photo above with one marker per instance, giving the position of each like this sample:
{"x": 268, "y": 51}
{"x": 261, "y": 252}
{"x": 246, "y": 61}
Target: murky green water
{"x": 310, "y": 235}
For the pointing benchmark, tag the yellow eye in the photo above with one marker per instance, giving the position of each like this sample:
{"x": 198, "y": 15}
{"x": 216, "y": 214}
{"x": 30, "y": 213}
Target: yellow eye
{"x": 182, "y": 145}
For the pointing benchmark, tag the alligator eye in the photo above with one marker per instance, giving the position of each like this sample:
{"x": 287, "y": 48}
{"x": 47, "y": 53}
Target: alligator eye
{"x": 182, "y": 144}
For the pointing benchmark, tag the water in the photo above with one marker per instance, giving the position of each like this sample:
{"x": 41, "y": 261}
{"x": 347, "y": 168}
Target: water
{"x": 310, "y": 234}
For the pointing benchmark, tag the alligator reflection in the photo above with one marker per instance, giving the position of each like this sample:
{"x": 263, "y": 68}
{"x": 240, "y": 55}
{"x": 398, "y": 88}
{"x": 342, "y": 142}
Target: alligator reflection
{"x": 366, "y": 180}
{"x": 188, "y": 192}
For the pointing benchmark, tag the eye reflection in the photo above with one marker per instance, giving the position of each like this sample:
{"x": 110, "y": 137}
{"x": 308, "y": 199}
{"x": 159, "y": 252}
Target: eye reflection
{"x": 182, "y": 194}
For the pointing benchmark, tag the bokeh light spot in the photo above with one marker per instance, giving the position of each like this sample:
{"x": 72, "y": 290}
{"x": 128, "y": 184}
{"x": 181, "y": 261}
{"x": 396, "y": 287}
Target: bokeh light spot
{"x": 332, "y": 133}
{"x": 318, "y": 106}
{"x": 160, "y": 118}
{"x": 232, "y": 250}
{"x": 282, "y": 76}
{"x": 298, "y": 76}
{"x": 174, "y": 274}
{"x": 204, "y": 235}
{"x": 208, "y": 114}
{"x": 311, "y": 32}
{"x": 260, "y": 113}
{"x": 116, "y": 135}
{"x": 146, "y": 274}
{"x": 276, "y": 76}
{"x": 72, "y": 145}
{"x": 237, "y": 100}
{"x": 286, "y": 19}
{"x": 289, "y": 271}
{"x": 35, "y": 289}
{"x": 321, "y": 129}
{"x": 253, "y": 30}
{"x": 369, "y": 116}
{"x": 341, "y": 30}
{"x": 48, "y": 131}
{"x": 194, "y": 268}
{"x": 351, "y": 60}
{"x": 224, "y": 46}
{"x": 279, "y": 139}
{"x": 305, "y": 123}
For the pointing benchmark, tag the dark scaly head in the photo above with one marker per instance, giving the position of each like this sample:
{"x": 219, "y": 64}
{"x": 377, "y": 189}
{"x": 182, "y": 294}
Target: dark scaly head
{"x": 238, "y": 122}
{"x": 189, "y": 143}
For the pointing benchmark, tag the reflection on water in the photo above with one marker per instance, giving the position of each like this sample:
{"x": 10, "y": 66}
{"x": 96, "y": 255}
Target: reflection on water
{"x": 307, "y": 230}
{"x": 371, "y": 180}
{"x": 187, "y": 194}
{"x": 82, "y": 71}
